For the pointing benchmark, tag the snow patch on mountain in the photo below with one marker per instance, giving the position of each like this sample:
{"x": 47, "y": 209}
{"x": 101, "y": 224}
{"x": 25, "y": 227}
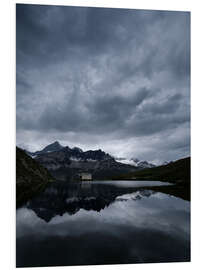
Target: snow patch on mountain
{"x": 135, "y": 162}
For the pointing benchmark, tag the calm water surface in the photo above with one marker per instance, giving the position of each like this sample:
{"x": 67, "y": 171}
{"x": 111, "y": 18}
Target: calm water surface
{"x": 102, "y": 223}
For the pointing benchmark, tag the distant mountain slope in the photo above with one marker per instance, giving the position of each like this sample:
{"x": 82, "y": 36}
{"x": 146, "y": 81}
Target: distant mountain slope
{"x": 30, "y": 176}
{"x": 177, "y": 171}
{"x": 52, "y": 147}
{"x": 49, "y": 148}
{"x": 136, "y": 162}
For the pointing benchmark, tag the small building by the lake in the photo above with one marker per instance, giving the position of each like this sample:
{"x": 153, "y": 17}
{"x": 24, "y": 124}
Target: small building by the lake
{"x": 85, "y": 176}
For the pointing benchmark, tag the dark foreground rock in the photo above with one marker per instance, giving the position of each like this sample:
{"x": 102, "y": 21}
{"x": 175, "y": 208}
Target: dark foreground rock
{"x": 30, "y": 176}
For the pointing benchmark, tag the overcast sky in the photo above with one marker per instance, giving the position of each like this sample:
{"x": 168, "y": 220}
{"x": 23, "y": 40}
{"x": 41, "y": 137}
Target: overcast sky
{"x": 113, "y": 79}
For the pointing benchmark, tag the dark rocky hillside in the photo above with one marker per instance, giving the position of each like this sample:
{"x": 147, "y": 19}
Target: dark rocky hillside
{"x": 30, "y": 176}
{"x": 177, "y": 171}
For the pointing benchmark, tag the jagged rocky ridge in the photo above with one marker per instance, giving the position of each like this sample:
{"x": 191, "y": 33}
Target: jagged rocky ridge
{"x": 64, "y": 163}
{"x": 49, "y": 148}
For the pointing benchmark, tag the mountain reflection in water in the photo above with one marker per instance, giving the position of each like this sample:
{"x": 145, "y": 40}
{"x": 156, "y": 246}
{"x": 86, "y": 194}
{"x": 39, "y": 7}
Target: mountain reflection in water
{"x": 102, "y": 223}
{"x": 62, "y": 198}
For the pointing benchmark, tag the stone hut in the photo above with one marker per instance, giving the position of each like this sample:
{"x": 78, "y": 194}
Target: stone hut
{"x": 85, "y": 176}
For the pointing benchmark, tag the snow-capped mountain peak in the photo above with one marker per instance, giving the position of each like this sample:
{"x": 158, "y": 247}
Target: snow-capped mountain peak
{"x": 135, "y": 162}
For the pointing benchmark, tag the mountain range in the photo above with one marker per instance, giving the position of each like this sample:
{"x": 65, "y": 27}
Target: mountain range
{"x": 79, "y": 154}
{"x": 64, "y": 163}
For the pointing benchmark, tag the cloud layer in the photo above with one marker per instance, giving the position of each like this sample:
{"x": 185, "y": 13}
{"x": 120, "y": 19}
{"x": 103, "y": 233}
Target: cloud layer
{"x": 114, "y": 79}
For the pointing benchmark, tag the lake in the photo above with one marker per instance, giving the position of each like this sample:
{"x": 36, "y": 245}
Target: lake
{"x": 102, "y": 222}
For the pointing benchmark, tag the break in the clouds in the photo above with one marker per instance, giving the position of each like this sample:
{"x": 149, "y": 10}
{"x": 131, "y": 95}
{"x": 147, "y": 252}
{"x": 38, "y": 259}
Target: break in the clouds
{"x": 115, "y": 79}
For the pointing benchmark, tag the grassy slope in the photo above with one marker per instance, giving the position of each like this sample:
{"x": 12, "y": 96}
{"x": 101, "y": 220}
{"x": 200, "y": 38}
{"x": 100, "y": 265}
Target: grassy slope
{"x": 31, "y": 177}
{"x": 177, "y": 172}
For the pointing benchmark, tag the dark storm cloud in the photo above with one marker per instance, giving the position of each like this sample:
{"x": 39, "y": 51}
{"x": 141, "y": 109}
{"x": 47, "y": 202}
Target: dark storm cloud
{"x": 89, "y": 75}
